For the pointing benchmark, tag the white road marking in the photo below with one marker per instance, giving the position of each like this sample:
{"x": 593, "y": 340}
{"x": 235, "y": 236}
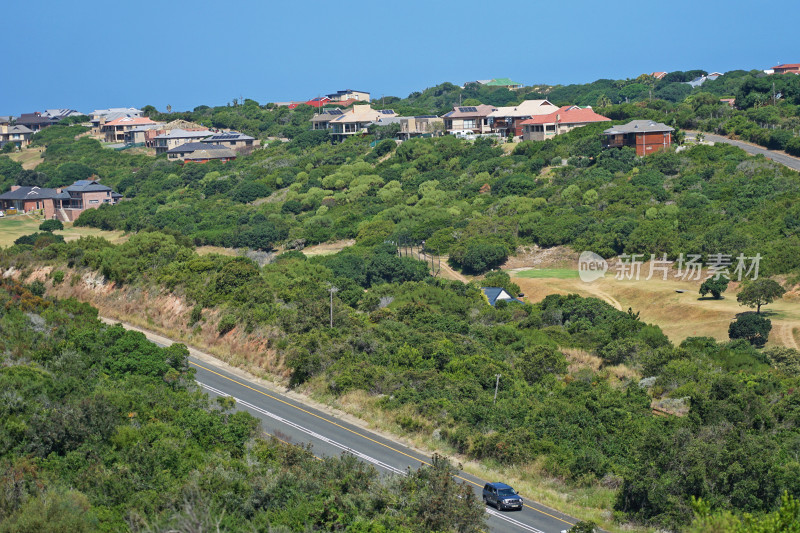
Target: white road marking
{"x": 349, "y": 450}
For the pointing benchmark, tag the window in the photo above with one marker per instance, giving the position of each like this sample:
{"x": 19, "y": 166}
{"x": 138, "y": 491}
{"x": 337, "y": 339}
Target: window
{"x": 94, "y": 201}
{"x": 469, "y": 124}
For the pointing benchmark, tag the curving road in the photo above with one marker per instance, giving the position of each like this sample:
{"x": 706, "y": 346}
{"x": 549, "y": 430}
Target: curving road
{"x": 295, "y": 422}
{"x": 778, "y": 157}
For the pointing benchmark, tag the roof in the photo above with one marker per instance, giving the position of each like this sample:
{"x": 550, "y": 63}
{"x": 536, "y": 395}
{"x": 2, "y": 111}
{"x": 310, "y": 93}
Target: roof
{"x": 5, "y": 119}
{"x": 638, "y": 126}
{"x": 123, "y": 110}
{"x": 229, "y": 136}
{"x": 146, "y": 127}
{"x": 493, "y": 294}
{"x": 34, "y": 118}
{"x": 658, "y": 75}
{"x": 482, "y": 110}
{"x": 60, "y": 113}
{"x": 210, "y": 153}
{"x": 191, "y": 147}
{"x": 498, "y": 485}
{"x": 363, "y": 113}
{"x": 526, "y": 108}
{"x": 19, "y": 129}
{"x": 568, "y": 115}
{"x": 30, "y": 193}
{"x": 87, "y": 186}
{"x": 130, "y": 121}
{"x": 345, "y": 91}
{"x": 178, "y": 133}
{"x": 787, "y": 65}
{"x": 502, "y": 82}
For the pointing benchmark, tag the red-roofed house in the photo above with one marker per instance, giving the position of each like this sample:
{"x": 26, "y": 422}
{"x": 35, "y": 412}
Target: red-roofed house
{"x": 565, "y": 119}
{"x": 114, "y": 131}
{"x": 787, "y": 68}
{"x": 658, "y": 75}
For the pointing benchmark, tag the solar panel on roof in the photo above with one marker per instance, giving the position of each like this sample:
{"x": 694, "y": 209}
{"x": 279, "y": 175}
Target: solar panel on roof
{"x": 426, "y": 116}
{"x": 387, "y": 111}
{"x": 468, "y": 109}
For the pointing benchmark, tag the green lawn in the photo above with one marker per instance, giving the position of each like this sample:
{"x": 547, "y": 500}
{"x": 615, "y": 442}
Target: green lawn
{"x": 15, "y": 226}
{"x": 559, "y": 273}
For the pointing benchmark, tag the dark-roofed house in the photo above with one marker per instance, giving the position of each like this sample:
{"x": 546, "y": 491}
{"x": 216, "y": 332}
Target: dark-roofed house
{"x": 63, "y": 204}
{"x": 19, "y": 135}
{"x": 200, "y": 152}
{"x": 168, "y": 140}
{"x": 498, "y": 294}
{"x": 646, "y": 136}
{"x": 472, "y": 118}
{"x": 34, "y": 121}
{"x": 238, "y": 142}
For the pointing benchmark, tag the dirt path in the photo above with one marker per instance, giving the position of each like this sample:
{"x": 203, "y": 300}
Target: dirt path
{"x": 449, "y": 273}
{"x": 603, "y": 296}
{"x": 786, "y": 334}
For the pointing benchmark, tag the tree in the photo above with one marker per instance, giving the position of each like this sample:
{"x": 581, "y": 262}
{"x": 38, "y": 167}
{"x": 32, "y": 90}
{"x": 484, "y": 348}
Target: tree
{"x": 583, "y": 527}
{"x": 760, "y": 292}
{"x": 754, "y": 328}
{"x": 714, "y": 286}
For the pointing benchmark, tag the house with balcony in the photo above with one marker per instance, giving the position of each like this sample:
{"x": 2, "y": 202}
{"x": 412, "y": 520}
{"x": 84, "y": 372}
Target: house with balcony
{"x": 471, "y": 118}
{"x": 65, "y": 204}
{"x": 114, "y": 131}
{"x": 349, "y": 94}
{"x": 645, "y": 136}
{"x": 786, "y": 68}
{"x": 543, "y": 127}
{"x": 420, "y": 126}
{"x": 20, "y": 136}
{"x": 507, "y": 120}
{"x": 355, "y": 121}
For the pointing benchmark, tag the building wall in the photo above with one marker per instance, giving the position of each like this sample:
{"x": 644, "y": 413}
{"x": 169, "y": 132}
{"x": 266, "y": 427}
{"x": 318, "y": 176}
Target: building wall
{"x": 650, "y": 143}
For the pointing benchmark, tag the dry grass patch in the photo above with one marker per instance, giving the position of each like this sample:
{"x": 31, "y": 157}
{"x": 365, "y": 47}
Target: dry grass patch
{"x": 206, "y": 250}
{"x": 578, "y": 359}
{"x": 328, "y": 248}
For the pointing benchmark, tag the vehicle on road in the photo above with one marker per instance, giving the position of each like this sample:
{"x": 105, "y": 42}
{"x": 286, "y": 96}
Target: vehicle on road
{"x": 501, "y": 496}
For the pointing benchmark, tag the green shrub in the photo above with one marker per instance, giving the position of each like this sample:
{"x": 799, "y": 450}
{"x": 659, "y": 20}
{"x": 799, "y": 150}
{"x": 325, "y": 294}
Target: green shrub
{"x": 57, "y": 276}
{"x": 226, "y": 324}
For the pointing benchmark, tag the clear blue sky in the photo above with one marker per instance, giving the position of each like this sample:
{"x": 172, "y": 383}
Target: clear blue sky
{"x": 96, "y": 54}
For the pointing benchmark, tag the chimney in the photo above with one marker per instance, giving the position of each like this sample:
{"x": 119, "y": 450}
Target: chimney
{"x": 15, "y": 187}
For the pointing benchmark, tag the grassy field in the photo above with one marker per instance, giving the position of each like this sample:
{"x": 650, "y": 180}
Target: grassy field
{"x": 680, "y": 314}
{"x": 13, "y": 227}
{"x": 28, "y": 158}
{"x": 557, "y": 273}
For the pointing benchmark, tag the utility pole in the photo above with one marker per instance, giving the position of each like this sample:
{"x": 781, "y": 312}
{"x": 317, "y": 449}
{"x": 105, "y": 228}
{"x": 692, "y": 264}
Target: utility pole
{"x": 332, "y": 290}
{"x": 496, "y": 385}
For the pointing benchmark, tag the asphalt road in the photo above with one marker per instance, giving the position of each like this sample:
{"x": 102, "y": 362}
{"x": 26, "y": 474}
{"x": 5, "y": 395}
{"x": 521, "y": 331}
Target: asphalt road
{"x": 778, "y": 157}
{"x": 297, "y": 423}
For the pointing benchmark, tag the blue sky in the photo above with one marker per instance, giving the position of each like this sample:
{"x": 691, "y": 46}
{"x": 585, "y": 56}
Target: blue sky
{"x": 96, "y": 54}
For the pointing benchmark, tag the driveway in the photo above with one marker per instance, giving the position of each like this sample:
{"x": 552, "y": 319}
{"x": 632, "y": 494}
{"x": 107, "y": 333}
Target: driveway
{"x": 778, "y": 157}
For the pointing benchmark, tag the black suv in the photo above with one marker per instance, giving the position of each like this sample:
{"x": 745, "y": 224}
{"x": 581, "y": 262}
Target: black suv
{"x": 501, "y": 496}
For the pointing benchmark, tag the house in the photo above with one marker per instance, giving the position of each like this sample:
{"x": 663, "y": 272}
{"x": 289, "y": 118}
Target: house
{"x": 238, "y": 142}
{"x": 99, "y": 117}
{"x": 473, "y": 118}
{"x": 420, "y": 126}
{"x": 504, "y": 82}
{"x": 19, "y": 135}
{"x": 658, "y": 75}
{"x": 62, "y": 204}
{"x": 114, "y": 131}
{"x": 355, "y": 121}
{"x": 498, "y": 294}
{"x": 205, "y": 155}
{"x": 508, "y": 119}
{"x": 200, "y": 152}
{"x": 138, "y": 135}
{"x": 322, "y": 120}
{"x": 645, "y": 136}
{"x": 349, "y": 94}
{"x": 172, "y": 139}
{"x": 34, "y": 121}
{"x": 566, "y": 118}
{"x": 317, "y": 102}
{"x": 60, "y": 114}
{"x": 730, "y": 101}
{"x": 787, "y": 68}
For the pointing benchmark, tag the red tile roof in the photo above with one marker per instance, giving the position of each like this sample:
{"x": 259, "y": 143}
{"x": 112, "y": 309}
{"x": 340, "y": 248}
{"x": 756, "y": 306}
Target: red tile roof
{"x": 568, "y": 115}
{"x": 788, "y": 65}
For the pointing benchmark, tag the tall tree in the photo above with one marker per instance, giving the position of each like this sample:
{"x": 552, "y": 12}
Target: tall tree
{"x": 760, "y": 292}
